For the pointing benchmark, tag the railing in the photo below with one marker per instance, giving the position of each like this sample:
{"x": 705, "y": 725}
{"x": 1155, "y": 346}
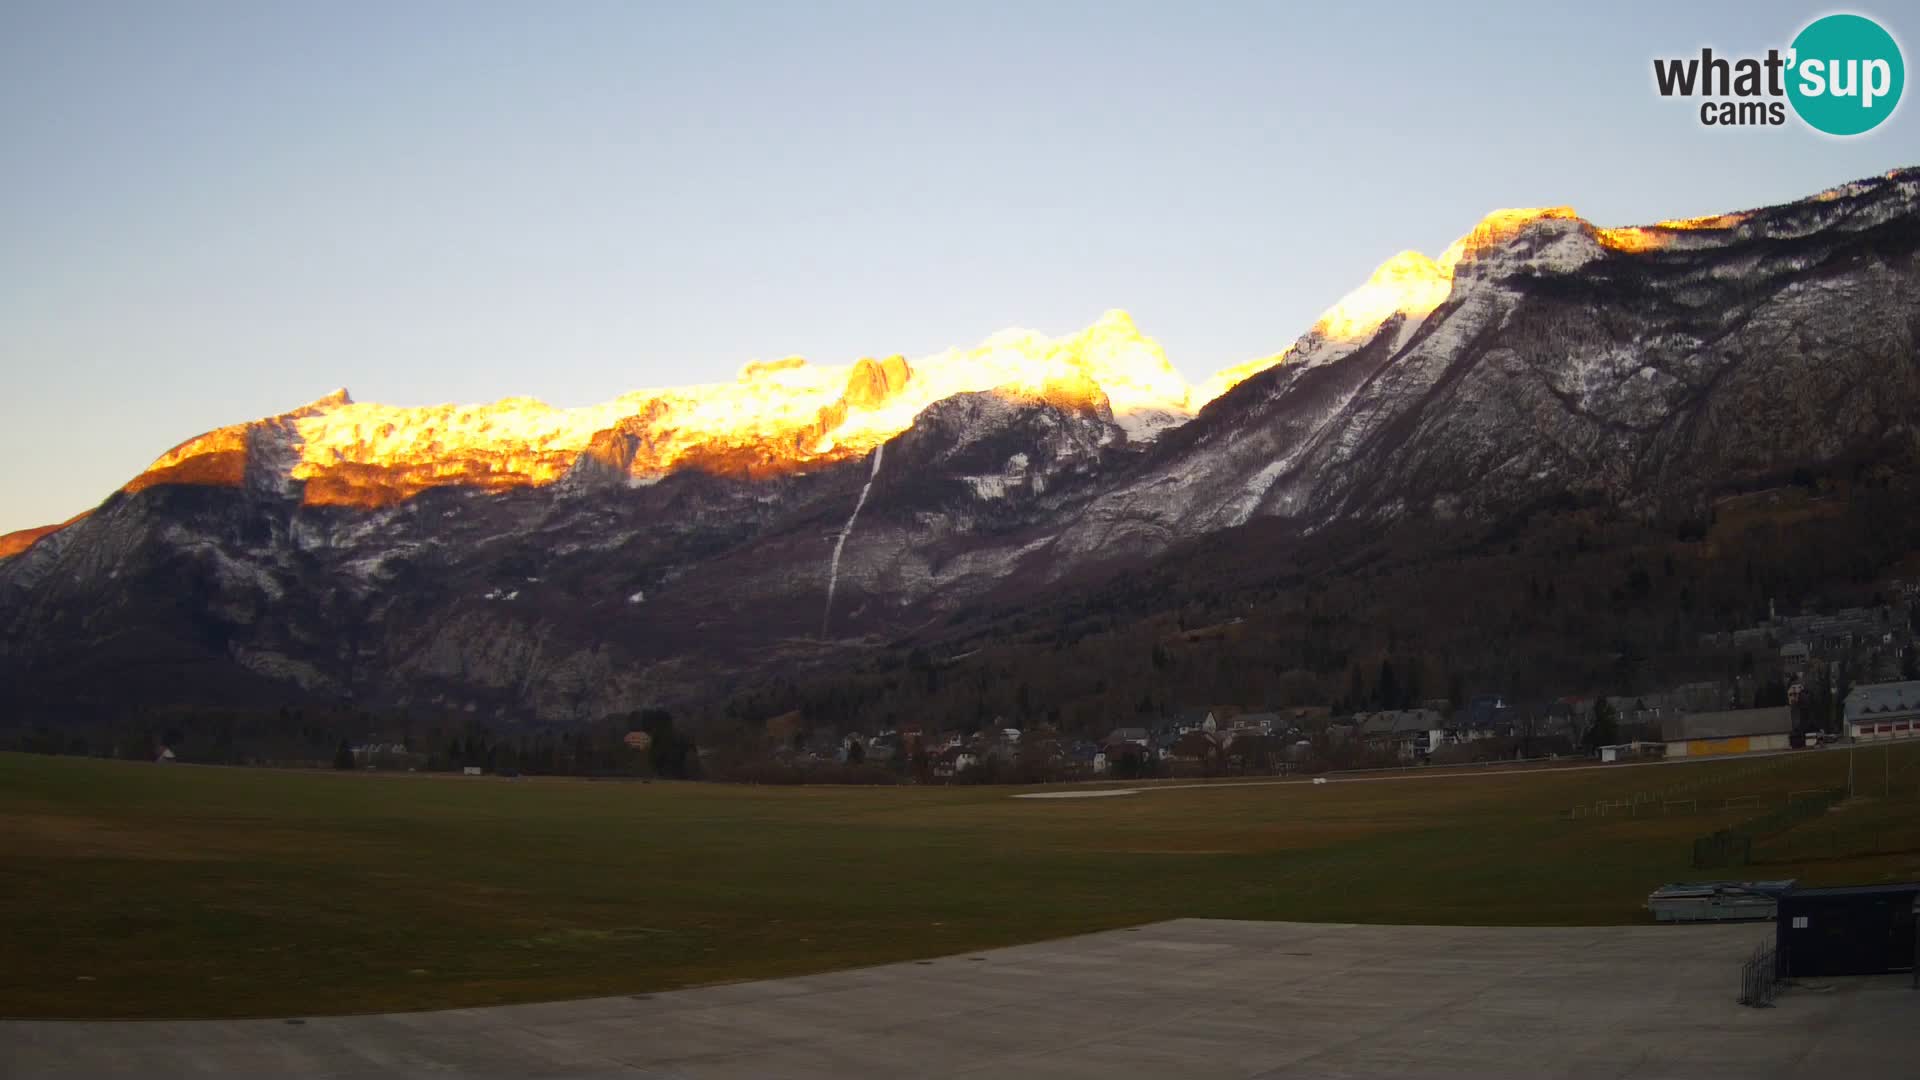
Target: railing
{"x": 1664, "y": 800}
{"x": 1733, "y": 846}
{"x": 1760, "y": 977}
{"x": 1723, "y": 848}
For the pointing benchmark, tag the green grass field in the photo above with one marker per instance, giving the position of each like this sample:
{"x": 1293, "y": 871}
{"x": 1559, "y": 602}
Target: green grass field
{"x": 139, "y": 890}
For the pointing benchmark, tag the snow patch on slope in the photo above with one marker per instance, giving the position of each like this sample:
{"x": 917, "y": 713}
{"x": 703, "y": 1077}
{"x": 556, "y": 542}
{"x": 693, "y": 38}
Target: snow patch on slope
{"x": 839, "y": 545}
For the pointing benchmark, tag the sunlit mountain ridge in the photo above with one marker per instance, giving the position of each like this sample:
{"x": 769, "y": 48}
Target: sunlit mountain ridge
{"x": 790, "y": 414}
{"x": 682, "y": 547}
{"x": 777, "y": 415}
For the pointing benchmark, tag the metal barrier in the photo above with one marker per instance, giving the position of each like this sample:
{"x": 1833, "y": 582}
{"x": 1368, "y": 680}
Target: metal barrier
{"x": 1733, "y": 845}
{"x": 1760, "y": 977}
{"x": 1672, "y": 795}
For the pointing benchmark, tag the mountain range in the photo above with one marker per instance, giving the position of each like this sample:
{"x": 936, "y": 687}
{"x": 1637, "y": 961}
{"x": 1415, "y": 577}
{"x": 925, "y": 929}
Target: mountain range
{"x": 520, "y": 562}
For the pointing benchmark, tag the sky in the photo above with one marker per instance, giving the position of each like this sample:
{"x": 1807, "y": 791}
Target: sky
{"x": 211, "y": 212}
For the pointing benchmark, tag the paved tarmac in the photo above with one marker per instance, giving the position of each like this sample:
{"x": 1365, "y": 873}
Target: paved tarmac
{"x": 1191, "y": 997}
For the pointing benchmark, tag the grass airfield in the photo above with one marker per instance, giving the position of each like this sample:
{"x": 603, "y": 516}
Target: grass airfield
{"x": 132, "y": 890}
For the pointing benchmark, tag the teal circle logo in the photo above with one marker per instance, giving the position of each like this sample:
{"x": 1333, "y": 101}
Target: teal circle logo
{"x": 1846, "y": 75}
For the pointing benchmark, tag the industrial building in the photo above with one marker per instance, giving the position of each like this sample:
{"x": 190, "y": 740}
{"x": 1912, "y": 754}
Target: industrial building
{"x": 1853, "y": 930}
{"x": 1883, "y": 711}
{"x": 1733, "y": 731}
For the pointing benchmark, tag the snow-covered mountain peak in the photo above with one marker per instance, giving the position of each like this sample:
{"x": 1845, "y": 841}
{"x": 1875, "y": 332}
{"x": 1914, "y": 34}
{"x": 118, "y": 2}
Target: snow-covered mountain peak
{"x": 788, "y": 414}
{"x": 1500, "y": 227}
{"x": 776, "y": 414}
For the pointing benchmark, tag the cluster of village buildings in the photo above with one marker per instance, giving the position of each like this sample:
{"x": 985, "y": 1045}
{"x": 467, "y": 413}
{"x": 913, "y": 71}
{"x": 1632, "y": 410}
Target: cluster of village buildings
{"x": 1852, "y": 675}
{"x": 1299, "y": 739}
{"x": 1702, "y": 718}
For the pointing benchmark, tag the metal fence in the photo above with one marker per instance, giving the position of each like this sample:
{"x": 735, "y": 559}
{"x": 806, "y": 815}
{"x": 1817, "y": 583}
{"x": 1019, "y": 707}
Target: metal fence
{"x": 1733, "y": 846}
{"x": 1760, "y": 977}
{"x": 1665, "y": 800}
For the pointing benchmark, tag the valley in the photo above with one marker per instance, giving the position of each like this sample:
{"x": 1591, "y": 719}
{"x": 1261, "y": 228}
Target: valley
{"x": 136, "y": 890}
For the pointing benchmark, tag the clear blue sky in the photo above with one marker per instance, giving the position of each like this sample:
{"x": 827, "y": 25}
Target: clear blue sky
{"x": 212, "y": 211}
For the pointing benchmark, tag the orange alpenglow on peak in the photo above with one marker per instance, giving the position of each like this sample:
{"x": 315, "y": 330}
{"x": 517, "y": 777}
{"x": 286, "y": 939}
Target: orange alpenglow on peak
{"x": 1229, "y": 377}
{"x": 1499, "y": 227}
{"x": 790, "y": 414}
{"x": 1705, "y": 221}
{"x": 1408, "y": 284}
{"x": 1634, "y": 239}
{"x": 776, "y": 416}
{"x": 14, "y": 543}
{"x": 1412, "y": 285}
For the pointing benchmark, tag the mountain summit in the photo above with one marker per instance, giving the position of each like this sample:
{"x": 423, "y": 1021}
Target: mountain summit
{"x": 521, "y": 560}
{"x": 777, "y": 416}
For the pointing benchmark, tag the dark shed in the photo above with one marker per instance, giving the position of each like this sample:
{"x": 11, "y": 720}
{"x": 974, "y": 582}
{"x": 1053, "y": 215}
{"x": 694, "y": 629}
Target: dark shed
{"x": 1854, "y": 930}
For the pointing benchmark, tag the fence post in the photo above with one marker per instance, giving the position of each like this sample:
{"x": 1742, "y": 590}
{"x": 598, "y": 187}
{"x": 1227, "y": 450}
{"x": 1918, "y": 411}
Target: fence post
{"x": 1759, "y": 977}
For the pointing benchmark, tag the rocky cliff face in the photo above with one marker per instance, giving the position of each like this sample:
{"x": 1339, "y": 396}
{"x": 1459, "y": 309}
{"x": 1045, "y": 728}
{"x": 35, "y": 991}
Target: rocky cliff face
{"x": 1626, "y": 365}
{"x": 521, "y": 561}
